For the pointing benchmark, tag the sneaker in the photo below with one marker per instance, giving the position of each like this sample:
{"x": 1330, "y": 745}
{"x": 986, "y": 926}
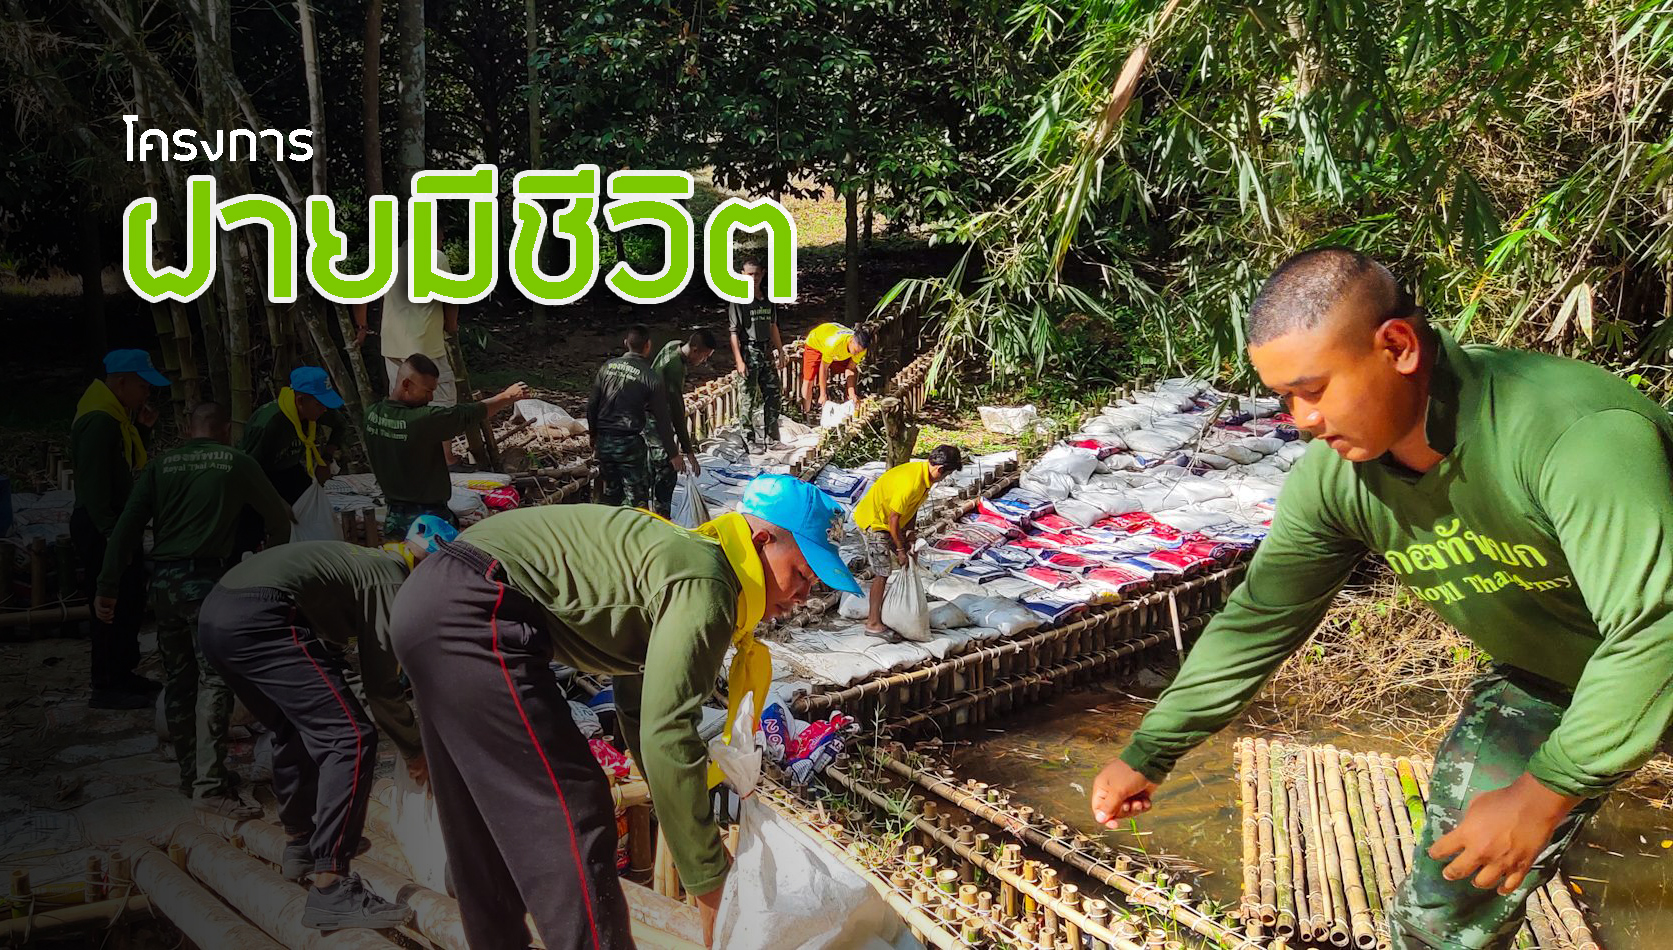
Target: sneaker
{"x": 119, "y": 699}
{"x": 347, "y": 903}
{"x": 226, "y": 805}
{"x": 298, "y": 860}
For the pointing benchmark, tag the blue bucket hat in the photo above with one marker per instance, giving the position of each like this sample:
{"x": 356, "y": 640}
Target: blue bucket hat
{"x": 313, "y": 381}
{"x": 134, "y": 361}
{"x": 430, "y": 532}
{"x": 809, "y": 515}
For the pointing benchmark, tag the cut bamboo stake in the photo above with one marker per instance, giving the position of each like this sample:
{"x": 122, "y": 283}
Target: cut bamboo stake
{"x": 1318, "y": 888}
{"x": 1283, "y": 883}
{"x": 58, "y": 921}
{"x": 188, "y": 905}
{"x": 1369, "y": 840}
{"x": 1266, "y": 908}
{"x": 1391, "y": 798}
{"x": 1414, "y": 796}
{"x": 1541, "y": 925}
{"x": 1298, "y": 872}
{"x": 1336, "y": 860}
{"x": 1570, "y": 914}
{"x": 1251, "y": 853}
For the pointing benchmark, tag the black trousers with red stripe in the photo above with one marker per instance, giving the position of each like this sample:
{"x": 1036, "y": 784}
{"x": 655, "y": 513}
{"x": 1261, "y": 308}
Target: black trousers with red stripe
{"x": 526, "y": 812}
{"x": 324, "y": 745}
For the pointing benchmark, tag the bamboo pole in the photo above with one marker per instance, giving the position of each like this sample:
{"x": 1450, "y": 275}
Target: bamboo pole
{"x": 1388, "y": 781}
{"x": 1266, "y": 907}
{"x": 1298, "y": 870}
{"x": 1318, "y": 893}
{"x": 1251, "y": 852}
{"x": 1140, "y": 892}
{"x": 1384, "y": 837}
{"x": 1413, "y": 796}
{"x": 1569, "y": 914}
{"x": 198, "y": 914}
{"x": 1366, "y": 844}
{"x": 55, "y": 922}
{"x": 1540, "y": 924}
{"x": 1283, "y": 879}
{"x": 1353, "y": 878}
{"x": 1335, "y": 874}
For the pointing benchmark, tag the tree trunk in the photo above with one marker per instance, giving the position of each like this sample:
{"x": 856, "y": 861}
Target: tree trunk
{"x": 91, "y": 260}
{"x": 851, "y": 252}
{"x": 871, "y": 204}
{"x": 370, "y": 97}
{"x": 531, "y": 20}
{"x": 212, "y": 34}
{"x": 410, "y": 91}
{"x": 316, "y": 101}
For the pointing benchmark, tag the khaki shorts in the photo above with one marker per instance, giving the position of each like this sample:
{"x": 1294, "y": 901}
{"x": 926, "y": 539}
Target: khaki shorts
{"x": 447, "y": 389}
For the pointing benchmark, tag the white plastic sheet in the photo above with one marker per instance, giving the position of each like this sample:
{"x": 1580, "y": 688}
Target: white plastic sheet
{"x": 315, "y": 521}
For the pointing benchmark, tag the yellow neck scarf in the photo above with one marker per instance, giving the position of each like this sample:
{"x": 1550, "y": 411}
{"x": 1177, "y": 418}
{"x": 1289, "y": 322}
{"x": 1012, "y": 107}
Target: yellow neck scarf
{"x": 311, "y": 457}
{"x": 399, "y": 549}
{"x": 99, "y": 398}
{"x": 752, "y": 665}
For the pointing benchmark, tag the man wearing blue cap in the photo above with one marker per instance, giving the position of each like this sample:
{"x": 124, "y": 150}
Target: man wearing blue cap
{"x": 107, "y": 449}
{"x": 278, "y": 627}
{"x": 284, "y": 438}
{"x": 525, "y": 811}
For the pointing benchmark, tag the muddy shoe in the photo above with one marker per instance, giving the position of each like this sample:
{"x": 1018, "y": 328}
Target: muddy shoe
{"x": 225, "y": 805}
{"x": 347, "y": 903}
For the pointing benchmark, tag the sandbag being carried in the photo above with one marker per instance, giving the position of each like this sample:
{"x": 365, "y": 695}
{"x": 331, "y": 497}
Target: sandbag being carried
{"x": 315, "y": 521}
{"x": 905, "y": 605}
{"x": 690, "y": 510}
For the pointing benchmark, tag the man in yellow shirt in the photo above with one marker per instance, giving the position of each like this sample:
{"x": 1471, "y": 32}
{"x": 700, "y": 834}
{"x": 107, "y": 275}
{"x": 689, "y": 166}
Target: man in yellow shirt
{"x": 832, "y": 350}
{"x": 886, "y": 515}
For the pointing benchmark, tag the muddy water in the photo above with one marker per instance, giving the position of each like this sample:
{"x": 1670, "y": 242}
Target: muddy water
{"x": 1050, "y": 755}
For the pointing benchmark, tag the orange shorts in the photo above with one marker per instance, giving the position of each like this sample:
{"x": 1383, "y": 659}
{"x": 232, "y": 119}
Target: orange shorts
{"x": 810, "y": 365}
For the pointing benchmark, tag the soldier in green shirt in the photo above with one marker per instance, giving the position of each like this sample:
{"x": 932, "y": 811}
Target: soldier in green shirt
{"x": 1525, "y": 498}
{"x": 758, "y": 352}
{"x": 191, "y": 496}
{"x": 525, "y": 812}
{"x": 283, "y": 436}
{"x": 403, "y": 442}
{"x": 627, "y": 396}
{"x": 278, "y": 627}
{"x": 107, "y": 449}
{"x": 671, "y": 364}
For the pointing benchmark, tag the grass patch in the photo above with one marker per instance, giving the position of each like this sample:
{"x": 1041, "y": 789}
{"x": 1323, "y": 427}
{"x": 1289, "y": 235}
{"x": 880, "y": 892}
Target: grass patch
{"x": 565, "y": 383}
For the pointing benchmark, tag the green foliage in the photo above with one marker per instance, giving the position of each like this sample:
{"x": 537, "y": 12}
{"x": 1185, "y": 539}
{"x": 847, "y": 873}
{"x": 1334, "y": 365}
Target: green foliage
{"x": 1512, "y": 160}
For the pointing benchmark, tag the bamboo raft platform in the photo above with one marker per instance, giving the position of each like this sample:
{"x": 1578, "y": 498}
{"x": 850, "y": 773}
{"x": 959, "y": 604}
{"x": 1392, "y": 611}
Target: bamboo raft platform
{"x": 1328, "y": 837}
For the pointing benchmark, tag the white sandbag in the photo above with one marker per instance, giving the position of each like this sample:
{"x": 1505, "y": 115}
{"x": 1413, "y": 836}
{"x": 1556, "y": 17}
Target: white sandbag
{"x": 834, "y": 414}
{"x": 947, "y": 616}
{"x": 416, "y": 827}
{"x": 1264, "y": 444}
{"x": 1053, "y": 485}
{"x": 1210, "y": 459}
{"x": 1081, "y": 512}
{"x": 1241, "y": 454}
{"x": 467, "y": 506}
{"x": 1119, "y": 462}
{"x": 550, "y": 420}
{"x": 1008, "y": 420}
{"x": 1152, "y": 441}
{"x": 949, "y": 588}
{"x": 690, "y": 510}
{"x": 1070, "y": 460}
{"x": 315, "y": 521}
{"x": 853, "y": 606}
{"x": 1293, "y": 450}
{"x": 1007, "y": 616}
{"x": 906, "y": 607}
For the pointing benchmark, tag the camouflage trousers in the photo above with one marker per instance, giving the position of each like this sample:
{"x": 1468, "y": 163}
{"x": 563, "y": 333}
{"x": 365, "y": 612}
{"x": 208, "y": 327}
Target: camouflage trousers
{"x": 624, "y": 469}
{"x": 1500, "y": 728}
{"x": 663, "y": 477}
{"x": 197, "y": 702}
{"x": 763, "y": 390}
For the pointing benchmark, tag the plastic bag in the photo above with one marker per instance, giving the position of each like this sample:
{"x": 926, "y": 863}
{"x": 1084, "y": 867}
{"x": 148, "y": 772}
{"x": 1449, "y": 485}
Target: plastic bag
{"x": 1008, "y": 420}
{"x": 691, "y": 510}
{"x": 835, "y": 413}
{"x": 1006, "y": 616}
{"x": 315, "y": 521}
{"x": 906, "y": 607}
{"x": 1075, "y": 462}
{"x": 467, "y": 506}
{"x": 416, "y": 826}
{"x": 853, "y": 606}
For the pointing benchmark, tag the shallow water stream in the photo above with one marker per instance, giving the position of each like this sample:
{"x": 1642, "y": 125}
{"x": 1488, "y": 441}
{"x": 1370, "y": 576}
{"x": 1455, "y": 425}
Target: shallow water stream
{"x": 1050, "y": 755}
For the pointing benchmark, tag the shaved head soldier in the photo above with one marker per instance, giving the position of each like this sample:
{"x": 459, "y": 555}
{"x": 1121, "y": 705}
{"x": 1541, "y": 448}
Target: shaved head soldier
{"x": 1525, "y": 498}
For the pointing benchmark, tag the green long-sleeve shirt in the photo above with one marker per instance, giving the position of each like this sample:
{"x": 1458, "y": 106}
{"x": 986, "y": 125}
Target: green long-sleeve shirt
{"x": 1545, "y": 535}
{"x": 403, "y": 443}
{"x": 654, "y": 605}
{"x": 192, "y": 496}
{"x": 271, "y": 440}
{"x": 670, "y": 365}
{"x": 103, "y": 479}
{"x": 343, "y": 593}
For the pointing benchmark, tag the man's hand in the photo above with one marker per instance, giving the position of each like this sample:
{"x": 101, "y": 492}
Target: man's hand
{"x": 1502, "y": 833}
{"x": 147, "y": 415}
{"x": 360, "y": 332}
{"x": 692, "y": 468}
{"x": 708, "y": 906}
{"x": 418, "y": 769}
{"x": 515, "y": 392}
{"x": 105, "y": 609}
{"x": 902, "y": 556}
{"x": 1118, "y": 792}
{"x": 322, "y": 473}
{"x": 781, "y": 359}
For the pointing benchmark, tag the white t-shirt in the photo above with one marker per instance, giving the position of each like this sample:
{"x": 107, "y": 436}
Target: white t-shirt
{"x": 409, "y": 327}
